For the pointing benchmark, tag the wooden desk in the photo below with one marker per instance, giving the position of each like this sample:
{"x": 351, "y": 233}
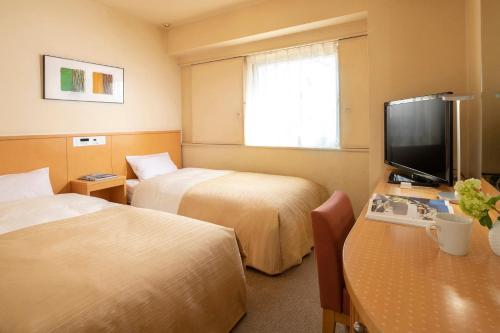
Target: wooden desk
{"x": 113, "y": 189}
{"x": 399, "y": 281}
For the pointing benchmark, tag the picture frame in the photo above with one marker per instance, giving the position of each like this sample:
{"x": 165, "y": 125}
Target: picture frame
{"x": 74, "y": 80}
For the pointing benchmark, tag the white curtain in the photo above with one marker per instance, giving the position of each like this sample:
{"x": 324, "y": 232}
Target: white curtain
{"x": 292, "y": 97}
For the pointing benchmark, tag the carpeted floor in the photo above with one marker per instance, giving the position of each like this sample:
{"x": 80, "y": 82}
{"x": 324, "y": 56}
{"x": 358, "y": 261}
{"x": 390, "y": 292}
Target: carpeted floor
{"x": 285, "y": 303}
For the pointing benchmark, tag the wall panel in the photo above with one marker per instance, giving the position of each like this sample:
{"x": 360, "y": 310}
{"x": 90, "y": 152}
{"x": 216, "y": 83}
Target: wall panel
{"x": 354, "y": 93}
{"x": 26, "y": 154}
{"x": 90, "y": 159}
{"x": 144, "y": 144}
{"x": 217, "y": 102}
{"x": 66, "y": 162}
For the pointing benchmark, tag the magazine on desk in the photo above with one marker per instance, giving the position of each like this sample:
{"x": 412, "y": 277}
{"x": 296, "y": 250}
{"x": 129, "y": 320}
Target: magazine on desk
{"x": 405, "y": 210}
{"x": 93, "y": 177}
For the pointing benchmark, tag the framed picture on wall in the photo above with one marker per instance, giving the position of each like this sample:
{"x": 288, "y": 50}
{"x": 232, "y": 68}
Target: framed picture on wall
{"x": 72, "y": 80}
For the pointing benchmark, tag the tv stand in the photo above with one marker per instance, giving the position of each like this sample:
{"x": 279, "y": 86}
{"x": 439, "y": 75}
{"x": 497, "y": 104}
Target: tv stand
{"x": 396, "y": 177}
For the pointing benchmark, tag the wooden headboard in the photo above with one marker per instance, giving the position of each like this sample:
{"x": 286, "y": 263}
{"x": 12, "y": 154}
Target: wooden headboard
{"x": 66, "y": 162}
{"x": 144, "y": 144}
{"x": 24, "y": 154}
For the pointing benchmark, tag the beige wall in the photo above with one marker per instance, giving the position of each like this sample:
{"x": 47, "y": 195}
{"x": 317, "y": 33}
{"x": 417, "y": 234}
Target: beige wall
{"x": 263, "y": 17}
{"x": 415, "y": 48}
{"x": 260, "y": 44}
{"x": 345, "y": 170}
{"x": 187, "y": 119}
{"x": 83, "y": 30}
{"x": 471, "y": 161}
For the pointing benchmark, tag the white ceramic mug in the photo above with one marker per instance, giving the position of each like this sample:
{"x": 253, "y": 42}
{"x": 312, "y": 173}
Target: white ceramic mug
{"x": 453, "y": 233}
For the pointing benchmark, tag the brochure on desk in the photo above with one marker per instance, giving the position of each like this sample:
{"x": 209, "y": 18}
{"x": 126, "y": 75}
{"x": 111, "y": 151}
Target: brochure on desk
{"x": 405, "y": 210}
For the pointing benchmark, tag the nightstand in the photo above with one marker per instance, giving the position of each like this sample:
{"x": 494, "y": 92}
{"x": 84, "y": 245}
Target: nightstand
{"x": 113, "y": 189}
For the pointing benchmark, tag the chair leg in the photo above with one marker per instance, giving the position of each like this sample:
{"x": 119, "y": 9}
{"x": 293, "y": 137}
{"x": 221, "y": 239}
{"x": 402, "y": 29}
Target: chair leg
{"x": 331, "y": 317}
{"x": 343, "y": 319}
{"x": 328, "y": 321}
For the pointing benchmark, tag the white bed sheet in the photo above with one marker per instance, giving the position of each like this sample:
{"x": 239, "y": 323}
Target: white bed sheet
{"x": 165, "y": 192}
{"x": 131, "y": 185}
{"x": 19, "y": 214}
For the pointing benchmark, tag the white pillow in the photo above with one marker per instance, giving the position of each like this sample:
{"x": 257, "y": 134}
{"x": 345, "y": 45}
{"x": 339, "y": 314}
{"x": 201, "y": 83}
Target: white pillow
{"x": 149, "y": 166}
{"x": 25, "y": 185}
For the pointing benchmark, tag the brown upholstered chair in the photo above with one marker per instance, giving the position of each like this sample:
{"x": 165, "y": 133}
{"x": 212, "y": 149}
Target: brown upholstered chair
{"x": 331, "y": 224}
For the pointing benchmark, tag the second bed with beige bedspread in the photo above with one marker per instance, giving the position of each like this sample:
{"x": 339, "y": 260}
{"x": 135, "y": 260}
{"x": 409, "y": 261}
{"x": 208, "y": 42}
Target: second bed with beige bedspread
{"x": 270, "y": 214}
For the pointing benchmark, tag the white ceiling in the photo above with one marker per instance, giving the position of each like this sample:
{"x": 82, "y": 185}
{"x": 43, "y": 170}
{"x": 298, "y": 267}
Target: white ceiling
{"x": 176, "y": 11}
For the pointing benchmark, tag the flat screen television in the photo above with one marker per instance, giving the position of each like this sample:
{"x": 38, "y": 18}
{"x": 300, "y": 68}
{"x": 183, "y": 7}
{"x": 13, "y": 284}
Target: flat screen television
{"x": 419, "y": 140}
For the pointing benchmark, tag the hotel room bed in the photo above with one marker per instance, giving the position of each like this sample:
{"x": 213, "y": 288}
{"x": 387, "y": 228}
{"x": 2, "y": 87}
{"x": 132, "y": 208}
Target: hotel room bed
{"x": 74, "y": 263}
{"x": 270, "y": 213}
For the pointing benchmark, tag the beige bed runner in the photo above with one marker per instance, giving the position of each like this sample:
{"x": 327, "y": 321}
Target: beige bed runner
{"x": 122, "y": 269}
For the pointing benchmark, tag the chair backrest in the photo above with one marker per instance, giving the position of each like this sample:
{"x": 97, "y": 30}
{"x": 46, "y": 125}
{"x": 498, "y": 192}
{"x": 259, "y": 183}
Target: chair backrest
{"x": 331, "y": 224}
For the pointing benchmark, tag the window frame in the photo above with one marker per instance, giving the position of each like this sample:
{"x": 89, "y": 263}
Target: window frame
{"x": 338, "y": 146}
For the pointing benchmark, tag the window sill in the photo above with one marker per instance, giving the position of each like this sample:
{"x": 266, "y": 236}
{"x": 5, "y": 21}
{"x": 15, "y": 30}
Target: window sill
{"x": 340, "y": 149}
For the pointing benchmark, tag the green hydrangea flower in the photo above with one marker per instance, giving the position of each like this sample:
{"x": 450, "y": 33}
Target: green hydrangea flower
{"x": 475, "y": 203}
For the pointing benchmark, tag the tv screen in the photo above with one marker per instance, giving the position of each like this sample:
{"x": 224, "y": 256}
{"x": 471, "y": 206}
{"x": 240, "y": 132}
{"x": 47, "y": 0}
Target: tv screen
{"x": 418, "y": 137}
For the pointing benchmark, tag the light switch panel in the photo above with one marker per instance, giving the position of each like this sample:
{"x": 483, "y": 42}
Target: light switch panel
{"x": 82, "y": 141}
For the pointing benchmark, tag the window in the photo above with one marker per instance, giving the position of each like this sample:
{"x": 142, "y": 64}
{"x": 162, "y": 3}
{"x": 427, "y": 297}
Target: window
{"x": 292, "y": 97}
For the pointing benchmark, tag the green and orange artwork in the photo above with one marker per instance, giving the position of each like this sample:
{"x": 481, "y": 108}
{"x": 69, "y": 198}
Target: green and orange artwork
{"x": 102, "y": 83}
{"x": 72, "y": 80}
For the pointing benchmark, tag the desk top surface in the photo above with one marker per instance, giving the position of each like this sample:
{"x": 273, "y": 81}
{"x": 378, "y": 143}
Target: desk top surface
{"x": 399, "y": 280}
